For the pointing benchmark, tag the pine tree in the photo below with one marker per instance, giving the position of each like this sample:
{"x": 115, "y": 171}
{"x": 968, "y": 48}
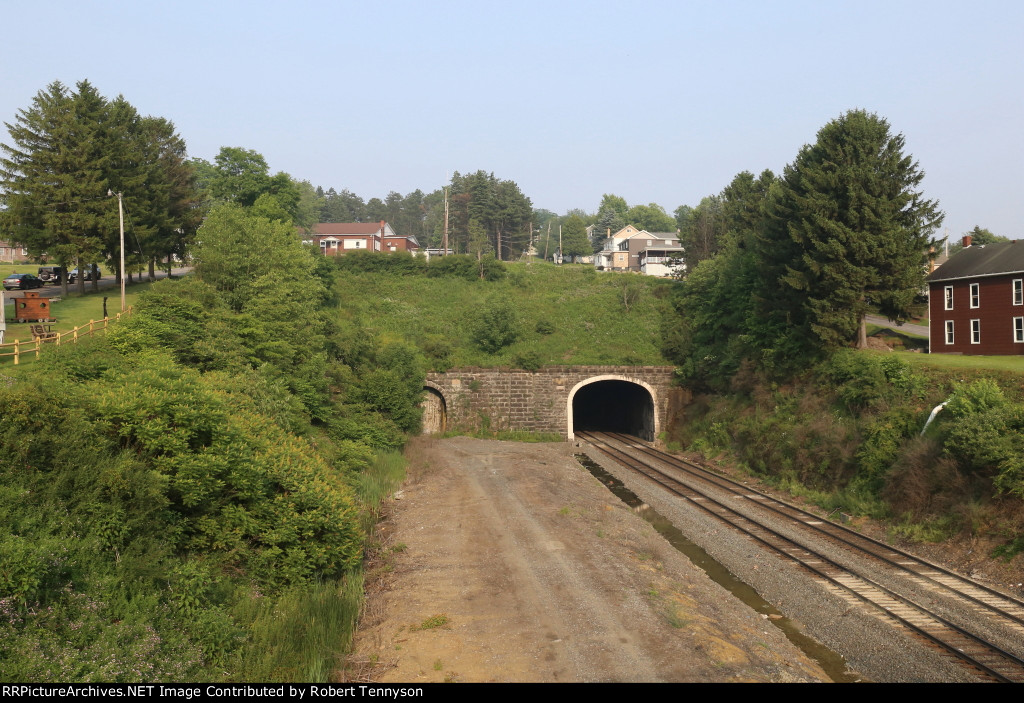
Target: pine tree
{"x": 849, "y": 229}
{"x": 68, "y": 151}
{"x": 574, "y": 238}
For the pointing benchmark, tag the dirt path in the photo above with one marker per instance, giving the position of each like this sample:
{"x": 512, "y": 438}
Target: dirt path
{"x": 510, "y": 562}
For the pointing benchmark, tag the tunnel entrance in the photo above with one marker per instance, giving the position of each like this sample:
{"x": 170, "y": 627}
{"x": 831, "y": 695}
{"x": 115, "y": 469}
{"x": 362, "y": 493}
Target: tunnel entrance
{"x": 435, "y": 416}
{"x": 613, "y": 406}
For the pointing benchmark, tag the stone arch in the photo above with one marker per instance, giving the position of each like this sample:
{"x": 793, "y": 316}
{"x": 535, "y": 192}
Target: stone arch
{"x": 435, "y": 409}
{"x": 650, "y": 421}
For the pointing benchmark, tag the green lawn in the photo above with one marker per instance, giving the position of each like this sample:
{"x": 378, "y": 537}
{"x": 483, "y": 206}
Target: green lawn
{"x": 951, "y": 361}
{"x": 6, "y": 269}
{"x": 76, "y": 310}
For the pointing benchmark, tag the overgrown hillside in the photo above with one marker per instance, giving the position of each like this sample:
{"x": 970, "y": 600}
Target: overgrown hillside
{"x": 847, "y": 433}
{"x": 521, "y": 314}
{"x": 189, "y": 498}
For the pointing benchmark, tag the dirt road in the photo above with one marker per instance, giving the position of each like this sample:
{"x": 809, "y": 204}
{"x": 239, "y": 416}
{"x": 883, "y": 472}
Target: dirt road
{"x": 510, "y": 562}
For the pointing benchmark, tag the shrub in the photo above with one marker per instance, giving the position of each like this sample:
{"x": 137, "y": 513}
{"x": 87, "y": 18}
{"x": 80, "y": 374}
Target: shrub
{"x": 529, "y": 360}
{"x": 400, "y": 263}
{"x": 862, "y": 380}
{"x": 975, "y": 397}
{"x": 468, "y": 267}
{"x": 496, "y": 326}
{"x": 544, "y": 327}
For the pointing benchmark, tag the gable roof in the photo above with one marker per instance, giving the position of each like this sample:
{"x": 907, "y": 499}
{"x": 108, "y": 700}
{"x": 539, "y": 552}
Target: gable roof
{"x": 337, "y": 228}
{"x": 982, "y": 260}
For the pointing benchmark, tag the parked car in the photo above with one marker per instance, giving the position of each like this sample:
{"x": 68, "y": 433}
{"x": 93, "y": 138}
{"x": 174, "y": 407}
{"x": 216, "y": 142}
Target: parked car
{"x": 22, "y": 281}
{"x": 93, "y": 274}
{"x": 51, "y": 274}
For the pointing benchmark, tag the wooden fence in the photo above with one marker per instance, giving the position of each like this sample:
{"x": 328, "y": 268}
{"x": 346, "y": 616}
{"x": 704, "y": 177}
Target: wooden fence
{"x": 25, "y": 350}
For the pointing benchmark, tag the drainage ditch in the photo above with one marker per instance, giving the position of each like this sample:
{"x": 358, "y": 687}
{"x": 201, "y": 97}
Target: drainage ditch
{"x": 831, "y": 662}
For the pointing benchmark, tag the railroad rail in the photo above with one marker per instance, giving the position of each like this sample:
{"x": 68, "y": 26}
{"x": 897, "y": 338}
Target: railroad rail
{"x": 748, "y": 511}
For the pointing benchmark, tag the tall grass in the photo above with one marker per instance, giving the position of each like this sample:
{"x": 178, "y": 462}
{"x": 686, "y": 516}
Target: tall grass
{"x": 375, "y": 484}
{"x": 303, "y": 634}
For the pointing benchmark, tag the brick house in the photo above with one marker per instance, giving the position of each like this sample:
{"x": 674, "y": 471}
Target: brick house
{"x": 976, "y": 301}
{"x": 334, "y": 238}
{"x": 12, "y": 252}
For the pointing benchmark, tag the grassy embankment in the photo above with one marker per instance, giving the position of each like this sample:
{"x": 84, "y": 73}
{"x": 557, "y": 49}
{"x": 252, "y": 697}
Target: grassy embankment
{"x": 847, "y": 435}
{"x": 564, "y": 315}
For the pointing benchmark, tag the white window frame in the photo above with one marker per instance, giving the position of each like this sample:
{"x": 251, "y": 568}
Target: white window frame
{"x": 975, "y": 331}
{"x": 975, "y": 296}
{"x": 949, "y": 297}
{"x": 1018, "y": 330}
{"x": 1018, "y": 291}
{"x": 949, "y": 331}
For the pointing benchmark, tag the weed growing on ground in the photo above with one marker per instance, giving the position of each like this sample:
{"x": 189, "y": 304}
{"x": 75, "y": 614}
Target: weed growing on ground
{"x": 438, "y": 665}
{"x": 431, "y": 623}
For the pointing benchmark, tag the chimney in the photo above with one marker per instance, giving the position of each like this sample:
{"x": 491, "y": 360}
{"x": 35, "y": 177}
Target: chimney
{"x": 966, "y": 241}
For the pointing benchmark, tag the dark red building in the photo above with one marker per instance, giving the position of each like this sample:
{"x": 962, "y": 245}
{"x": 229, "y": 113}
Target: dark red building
{"x": 976, "y": 301}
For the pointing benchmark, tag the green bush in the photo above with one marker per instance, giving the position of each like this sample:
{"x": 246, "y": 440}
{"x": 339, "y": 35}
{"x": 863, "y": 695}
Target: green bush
{"x": 544, "y": 327}
{"x": 464, "y": 266}
{"x": 496, "y": 326}
{"x": 399, "y": 263}
{"x": 528, "y": 360}
{"x": 862, "y": 380}
{"x": 974, "y": 397}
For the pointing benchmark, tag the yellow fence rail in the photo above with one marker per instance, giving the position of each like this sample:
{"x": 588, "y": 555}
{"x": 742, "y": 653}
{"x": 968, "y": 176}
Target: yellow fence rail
{"x": 25, "y": 350}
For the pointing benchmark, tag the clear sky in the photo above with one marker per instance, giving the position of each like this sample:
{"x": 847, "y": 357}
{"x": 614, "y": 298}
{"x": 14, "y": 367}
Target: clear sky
{"x": 654, "y": 101}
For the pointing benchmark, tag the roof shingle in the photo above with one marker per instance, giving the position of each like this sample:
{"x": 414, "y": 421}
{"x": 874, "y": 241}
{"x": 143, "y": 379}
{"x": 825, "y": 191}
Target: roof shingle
{"x": 982, "y": 260}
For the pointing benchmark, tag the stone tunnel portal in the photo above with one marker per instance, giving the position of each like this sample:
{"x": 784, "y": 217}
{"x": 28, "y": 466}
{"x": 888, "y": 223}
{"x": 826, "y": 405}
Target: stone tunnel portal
{"x": 613, "y": 406}
{"x": 435, "y": 411}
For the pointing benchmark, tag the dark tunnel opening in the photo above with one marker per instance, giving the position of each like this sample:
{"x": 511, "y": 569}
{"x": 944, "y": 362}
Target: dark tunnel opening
{"x": 614, "y": 406}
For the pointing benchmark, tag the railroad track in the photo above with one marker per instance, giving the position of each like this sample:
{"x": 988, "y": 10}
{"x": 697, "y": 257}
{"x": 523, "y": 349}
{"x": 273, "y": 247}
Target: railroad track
{"x": 908, "y": 580}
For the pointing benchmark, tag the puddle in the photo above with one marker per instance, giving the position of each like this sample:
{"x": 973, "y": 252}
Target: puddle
{"x": 833, "y": 664}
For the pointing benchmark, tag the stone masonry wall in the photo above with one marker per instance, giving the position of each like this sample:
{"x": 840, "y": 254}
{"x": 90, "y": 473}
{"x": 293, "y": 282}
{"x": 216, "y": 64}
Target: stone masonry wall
{"x": 514, "y": 399}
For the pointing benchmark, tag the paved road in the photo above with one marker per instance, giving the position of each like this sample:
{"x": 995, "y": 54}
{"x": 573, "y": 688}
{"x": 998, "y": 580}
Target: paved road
{"x": 921, "y": 330}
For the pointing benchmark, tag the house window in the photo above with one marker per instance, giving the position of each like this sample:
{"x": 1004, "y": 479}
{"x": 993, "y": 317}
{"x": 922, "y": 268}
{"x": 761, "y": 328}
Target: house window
{"x": 975, "y": 331}
{"x": 949, "y": 297}
{"x": 1018, "y": 329}
{"x": 975, "y": 295}
{"x": 949, "y": 331}
{"x": 1018, "y": 291}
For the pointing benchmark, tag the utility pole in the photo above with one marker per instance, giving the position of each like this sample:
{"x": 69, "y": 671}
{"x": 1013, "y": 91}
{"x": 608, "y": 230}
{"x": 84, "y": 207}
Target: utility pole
{"x": 444, "y": 240}
{"x": 120, "y": 217}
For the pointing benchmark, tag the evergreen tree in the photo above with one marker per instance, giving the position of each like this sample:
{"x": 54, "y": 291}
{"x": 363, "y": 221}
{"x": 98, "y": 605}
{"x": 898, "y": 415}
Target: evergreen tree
{"x": 69, "y": 150}
{"x": 55, "y": 176}
{"x": 849, "y": 229}
{"x": 574, "y": 238}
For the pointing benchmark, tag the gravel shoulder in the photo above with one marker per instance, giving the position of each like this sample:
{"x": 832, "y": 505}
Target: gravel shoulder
{"x": 504, "y": 561}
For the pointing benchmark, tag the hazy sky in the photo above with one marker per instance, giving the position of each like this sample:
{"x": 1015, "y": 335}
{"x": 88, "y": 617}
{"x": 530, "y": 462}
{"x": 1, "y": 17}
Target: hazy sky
{"x": 654, "y": 101}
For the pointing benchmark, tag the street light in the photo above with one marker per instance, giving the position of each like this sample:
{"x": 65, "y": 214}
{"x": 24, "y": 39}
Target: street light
{"x": 120, "y": 217}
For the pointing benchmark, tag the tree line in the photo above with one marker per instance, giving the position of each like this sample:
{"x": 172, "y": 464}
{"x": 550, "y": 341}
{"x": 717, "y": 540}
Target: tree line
{"x": 70, "y": 151}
